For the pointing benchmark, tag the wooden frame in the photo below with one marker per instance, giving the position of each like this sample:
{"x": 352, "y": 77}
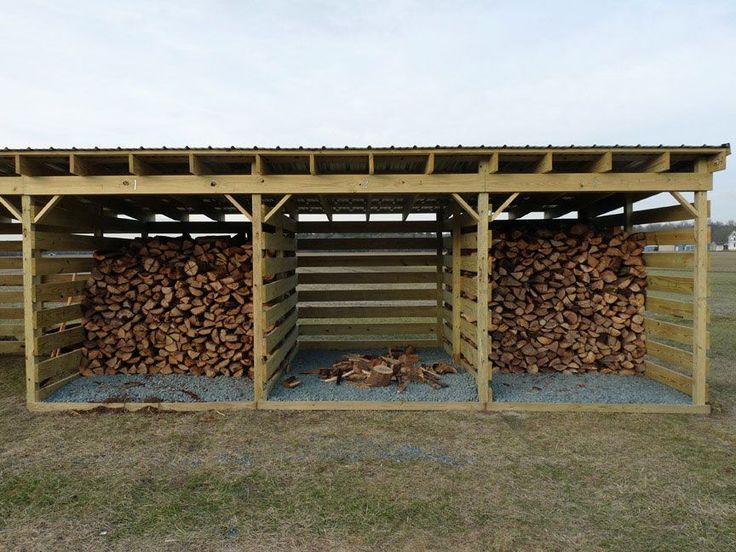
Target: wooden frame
{"x": 465, "y": 177}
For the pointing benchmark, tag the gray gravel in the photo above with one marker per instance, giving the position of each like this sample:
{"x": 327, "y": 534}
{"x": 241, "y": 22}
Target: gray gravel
{"x": 154, "y": 388}
{"x": 583, "y": 388}
{"x": 462, "y": 386}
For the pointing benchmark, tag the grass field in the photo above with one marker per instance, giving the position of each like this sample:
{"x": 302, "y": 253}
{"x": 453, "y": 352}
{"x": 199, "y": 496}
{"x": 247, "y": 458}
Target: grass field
{"x": 393, "y": 481}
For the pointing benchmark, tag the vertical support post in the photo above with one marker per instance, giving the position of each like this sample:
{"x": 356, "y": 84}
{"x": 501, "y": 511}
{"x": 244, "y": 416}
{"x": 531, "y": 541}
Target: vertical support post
{"x": 483, "y": 362}
{"x": 700, "y": 300}
{"x": 628, "y": 211}
{"x": 30, "y": 279}
{"x": 440, "y": 280}
{"x": 456, "y": 284}
{"x": 259, "y": 326}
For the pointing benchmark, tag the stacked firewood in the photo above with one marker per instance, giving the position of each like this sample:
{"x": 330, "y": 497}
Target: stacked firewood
{"x": 171, "y": 305}
{"x": 568, "y": 301}
{"x": 396, "y": 366}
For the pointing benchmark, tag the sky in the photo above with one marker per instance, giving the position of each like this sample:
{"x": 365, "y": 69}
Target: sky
{"x": 355, "y": 73}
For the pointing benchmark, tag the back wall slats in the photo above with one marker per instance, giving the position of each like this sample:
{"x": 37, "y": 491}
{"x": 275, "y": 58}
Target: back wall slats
{"x": 368, "y": 284}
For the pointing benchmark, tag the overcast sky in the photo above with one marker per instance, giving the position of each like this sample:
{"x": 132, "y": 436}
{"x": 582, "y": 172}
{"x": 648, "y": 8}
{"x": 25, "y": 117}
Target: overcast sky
{"x": 358, "y": 73}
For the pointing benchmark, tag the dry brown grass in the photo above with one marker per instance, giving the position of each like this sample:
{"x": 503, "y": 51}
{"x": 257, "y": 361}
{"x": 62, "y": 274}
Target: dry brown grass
{"x": 367, "y": 481}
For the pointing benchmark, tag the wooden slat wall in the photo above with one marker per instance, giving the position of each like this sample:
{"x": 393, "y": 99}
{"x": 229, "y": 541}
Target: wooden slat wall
{"x": 11, "y": 293}
{"x": 368, "y": 284}
{"x": 279, "y": 294}
{"x": 669, "y": 306}
{"x": 60, "y": 262}
{"x": 460, "y": 290}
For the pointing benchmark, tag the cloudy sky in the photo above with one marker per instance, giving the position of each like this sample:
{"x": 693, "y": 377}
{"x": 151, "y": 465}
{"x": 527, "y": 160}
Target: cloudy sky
{"x": 358, "y": 73}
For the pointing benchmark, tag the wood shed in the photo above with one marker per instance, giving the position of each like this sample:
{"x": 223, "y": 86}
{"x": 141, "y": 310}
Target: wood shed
{"x": 517, "y": 263}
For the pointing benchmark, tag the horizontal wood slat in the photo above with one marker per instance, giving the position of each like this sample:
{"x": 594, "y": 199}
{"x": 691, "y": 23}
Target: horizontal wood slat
{"x": 63, "y": 265}
{"x": 274, "y": 337}
{"x": 669, "y": 354}
{"x": 59, "y": 290}
{"x": 278, "y": 265}
{"x": 356, "y": 311}
{"x": 59, "y": 366}
{"x": 10, "y": 313}
{"x": 669, "y": 377}
{"x": 14, "y": 245}
{"x": 57, "y": 315}
{"x": 274, "y": 242}
{"x": 678, "y": 236}
{"x": 12, "y": 348}
{"x": 73, "y": 242}
{"x": 678, "y": 261}
{"x": 49, "y": 389}
{"x": 366, "y": 329}
{"x": 272, "y": 290}
{"x": 274, "y": 360}
{"x": 273, "y": 313}
{"x": 309, "y": 342}
{"x": 373, "y": 244}
{"x": 11, "y": 279}
{"x": 668, "y": 330}
{"x": 49, "y": 342}
{"x": 366, "y": 260}
{"x": 424, "y": 277}
{"x": 660, "y": 305}
{"x": 351, "y": 295}
{"x": 670, "y": 284}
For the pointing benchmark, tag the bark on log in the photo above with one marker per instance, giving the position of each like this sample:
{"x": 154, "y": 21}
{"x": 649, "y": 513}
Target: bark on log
{"x": 171, "y": 305}
{"x": 567, "y": 301}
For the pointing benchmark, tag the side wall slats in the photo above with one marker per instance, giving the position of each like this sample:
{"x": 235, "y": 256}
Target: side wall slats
{"x": 670, "y": 304}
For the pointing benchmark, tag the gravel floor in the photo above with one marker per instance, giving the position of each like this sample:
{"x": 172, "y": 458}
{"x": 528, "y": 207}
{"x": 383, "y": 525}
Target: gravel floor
{"x": 583, "y": 388}
{"x": 462, "y": 386}
{"x": 154, "y": 388}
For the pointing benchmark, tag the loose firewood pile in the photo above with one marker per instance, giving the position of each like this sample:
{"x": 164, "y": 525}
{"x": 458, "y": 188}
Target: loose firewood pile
{"x": 399, "y": 367}
{"x": 171, "y": 305}
{"x": 570, "y": 302}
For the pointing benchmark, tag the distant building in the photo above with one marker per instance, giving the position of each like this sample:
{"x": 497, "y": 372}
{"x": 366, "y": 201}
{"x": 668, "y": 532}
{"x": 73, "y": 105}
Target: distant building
{"x": 732, "y": 241}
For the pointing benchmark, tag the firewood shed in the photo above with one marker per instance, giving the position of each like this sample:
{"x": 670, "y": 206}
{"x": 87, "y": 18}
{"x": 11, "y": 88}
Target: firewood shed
{"x": 519, "y": 264}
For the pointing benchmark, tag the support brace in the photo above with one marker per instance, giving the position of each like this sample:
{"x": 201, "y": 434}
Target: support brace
{"x": 464, "y": 204}
{"x": 503, "y": 206}
{"x": 46, "y": 208}
{"x": 239, "y": 207}
{"x": 13, "y": 211}
{"x": 277, "y": 207}
{"x": 685, "y": 203}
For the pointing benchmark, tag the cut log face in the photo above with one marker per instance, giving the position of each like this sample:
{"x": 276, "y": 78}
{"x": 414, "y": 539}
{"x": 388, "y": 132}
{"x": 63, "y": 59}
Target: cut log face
{"x": 171, "y": 305}
{"x": 567, "y": 301}
{"x": 380, "y": 376}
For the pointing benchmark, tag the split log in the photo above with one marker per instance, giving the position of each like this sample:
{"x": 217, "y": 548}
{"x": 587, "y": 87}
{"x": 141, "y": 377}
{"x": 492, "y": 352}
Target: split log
{"x": 170, "y": 305}
{"x": 568, "y": 301}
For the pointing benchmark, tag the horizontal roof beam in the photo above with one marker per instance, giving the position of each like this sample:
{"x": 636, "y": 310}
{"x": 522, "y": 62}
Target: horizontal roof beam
{"x": 356, "y": 184}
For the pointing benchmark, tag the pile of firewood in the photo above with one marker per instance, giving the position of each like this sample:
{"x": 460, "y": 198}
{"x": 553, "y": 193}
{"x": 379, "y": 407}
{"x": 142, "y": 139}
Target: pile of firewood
{"x": 568, "y": 301}
{"x": 171, "y": 305}
{"x": 399, "y": 367}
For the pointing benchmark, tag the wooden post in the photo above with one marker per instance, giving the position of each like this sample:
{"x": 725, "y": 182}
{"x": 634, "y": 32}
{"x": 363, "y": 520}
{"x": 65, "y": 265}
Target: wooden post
{"x": 700, "y": 299}
{"x": 483, "y": 363}
{"x": 30, "y": 279}
{"x": 456, "y": 284}
{"x": 628, "y": 211}
{"x": 440, "y": 280}
{"x": 259, "y": 326}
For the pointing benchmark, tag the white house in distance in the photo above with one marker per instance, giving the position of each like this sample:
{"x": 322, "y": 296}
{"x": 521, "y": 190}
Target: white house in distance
{"x": 732, "y": 241}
